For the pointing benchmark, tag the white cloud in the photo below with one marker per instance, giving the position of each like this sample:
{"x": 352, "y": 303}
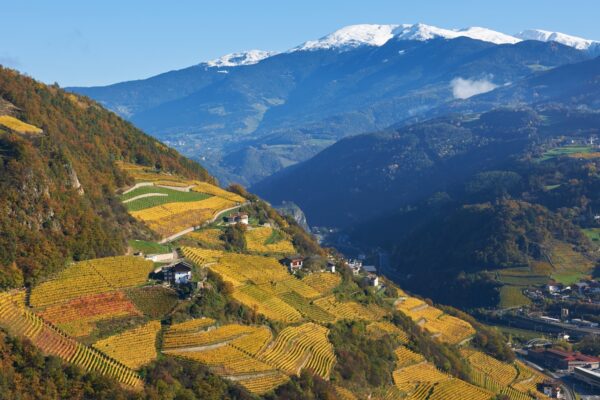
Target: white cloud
{"x": 465, "y": 88}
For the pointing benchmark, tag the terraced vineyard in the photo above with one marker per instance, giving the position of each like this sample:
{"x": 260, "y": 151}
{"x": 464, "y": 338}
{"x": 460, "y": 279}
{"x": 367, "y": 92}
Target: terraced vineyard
{"x": 21, "y": 322}
{"x": 192, "y": 335}
{"x": 299, "y": 347}
{"x": 424, "y": 381}
{"x": 201, "y": 256}
{"x": 322, "y": 282}
{"x": 407, "y": 357}
{"x": 380, "y": 328}
{"x": 229, "y": 350}
{"x": 95, "y": 276}
{"x": 515, "y": 380}
{"x": 207, "y": 237}
{"x": 447, "y": 328}
{"x": 135, "y": 347}
{"x": 170, "y": 218}
{"x": 264, "y": 383}
{"x": 77, "y": 317}
{"x": 266, "y": 240}
{"x": 168, "y": 211}
{"x": 348, "y": 309}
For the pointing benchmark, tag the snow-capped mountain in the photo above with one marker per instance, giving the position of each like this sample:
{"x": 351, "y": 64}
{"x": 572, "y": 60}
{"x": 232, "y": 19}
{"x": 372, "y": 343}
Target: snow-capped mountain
{"x": 242, "y": 58}
{"x": 351, "y": 36}
{"x": 548, "y": 36}
{"x": 377, "y": 35}
{"x": 278, "y": 109}
{"x": 354, "y": 36}
{"x": 428, "y": 32}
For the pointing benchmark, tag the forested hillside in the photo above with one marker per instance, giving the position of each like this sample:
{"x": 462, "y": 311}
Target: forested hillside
{"x": 57, "y": 185}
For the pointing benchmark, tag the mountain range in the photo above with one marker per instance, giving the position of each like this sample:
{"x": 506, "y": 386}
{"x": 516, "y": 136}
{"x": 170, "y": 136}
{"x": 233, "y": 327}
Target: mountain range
{"x": 248, "y": 115}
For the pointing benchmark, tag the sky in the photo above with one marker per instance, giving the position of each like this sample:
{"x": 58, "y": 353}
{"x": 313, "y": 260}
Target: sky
{"x": 85, "y": 43}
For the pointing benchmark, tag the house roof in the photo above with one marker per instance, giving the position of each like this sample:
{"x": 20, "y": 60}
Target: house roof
{"x": 568, "y": 355}
{"x": 180, "y": 266}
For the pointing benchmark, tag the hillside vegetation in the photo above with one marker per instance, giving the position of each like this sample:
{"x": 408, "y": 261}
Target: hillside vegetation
{"x": 57, "y": 187}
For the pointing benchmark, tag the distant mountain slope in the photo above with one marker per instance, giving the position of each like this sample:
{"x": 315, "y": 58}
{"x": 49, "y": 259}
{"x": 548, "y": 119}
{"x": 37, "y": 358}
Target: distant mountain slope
{"x": 250, "y": 117}
{"x": 574, "y": 84}
{"x": 367, "y": 175}
{"x": 57, "y": 187}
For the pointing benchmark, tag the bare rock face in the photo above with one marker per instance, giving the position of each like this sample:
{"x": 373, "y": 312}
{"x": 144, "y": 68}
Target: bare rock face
{"x": 74, "y": 181}
{"x": 293, "y": 210}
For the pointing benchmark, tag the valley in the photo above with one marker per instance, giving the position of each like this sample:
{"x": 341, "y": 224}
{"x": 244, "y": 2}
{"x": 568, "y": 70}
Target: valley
{"x": 387, "y": 212}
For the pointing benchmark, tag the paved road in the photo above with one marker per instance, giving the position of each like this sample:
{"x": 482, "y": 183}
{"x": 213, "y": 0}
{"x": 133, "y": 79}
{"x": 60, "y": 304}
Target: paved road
{"x": 192, "y": 228}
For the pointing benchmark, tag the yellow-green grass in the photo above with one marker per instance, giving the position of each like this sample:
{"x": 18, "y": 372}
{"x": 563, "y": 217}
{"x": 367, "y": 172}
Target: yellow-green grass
{"x": 18, "y": 125}
{"x": 512, "y": 296}
{"x": 593, "y": 234}
{"x": 565, "y": 151}
{"x": 569, "y": 265}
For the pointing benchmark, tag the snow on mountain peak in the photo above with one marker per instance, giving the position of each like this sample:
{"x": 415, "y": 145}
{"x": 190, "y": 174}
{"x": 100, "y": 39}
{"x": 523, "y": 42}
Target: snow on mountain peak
{"x": 351, "y": 36}
{"x": 426, "y": 32}
{"x": 548, "y": 36}
{"x": 377, "y": 35}
{"x": 242, "y": 58}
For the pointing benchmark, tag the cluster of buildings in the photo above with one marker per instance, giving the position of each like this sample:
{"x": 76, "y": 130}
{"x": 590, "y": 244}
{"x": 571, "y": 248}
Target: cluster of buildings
{"x": 357, "y": 267}
{"x": 236, "y": 218}
{"x": 582, "y": 367}
{"x": 587, "y": 291}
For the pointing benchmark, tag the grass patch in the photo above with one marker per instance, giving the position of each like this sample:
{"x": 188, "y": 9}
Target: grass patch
{"x": 155, "y": 302}
{"x": 565, "y": 151}
{"x": 163, "y": 196}
{"x": 147, "y": 247}
{"x": 568, "y": 278}
{"x": 522, "y": 335}
{"x": 512, "y": 296}
{"x": 276, "y": 236}
{"x": 592, "y": 233}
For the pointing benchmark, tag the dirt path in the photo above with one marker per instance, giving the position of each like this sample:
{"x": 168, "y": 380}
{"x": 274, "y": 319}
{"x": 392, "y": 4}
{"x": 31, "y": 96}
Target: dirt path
{"x": 254, "y": 375}
{"x": 198, "y": 348}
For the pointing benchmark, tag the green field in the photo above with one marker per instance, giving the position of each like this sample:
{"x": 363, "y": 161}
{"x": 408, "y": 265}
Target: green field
{"x": 167, "y": 196}
{"x": 149, "y": 247}
{"x": 512, "y": 296}
{"x": 532, "y": 280}
{"x": 593, "y": 234}
{"x": 564, "y": 151}
{"x": 568, "y": 278}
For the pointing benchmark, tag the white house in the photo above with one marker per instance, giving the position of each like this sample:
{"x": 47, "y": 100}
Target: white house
{"x": 293, "y": 263}
{"x": 373, "y": 280}
{"x": 235, "y": 218}
{"x": 180, "y": 272}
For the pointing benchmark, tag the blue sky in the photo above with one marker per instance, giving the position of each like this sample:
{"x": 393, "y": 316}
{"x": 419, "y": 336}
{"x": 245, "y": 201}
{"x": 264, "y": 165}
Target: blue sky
{"x": 80, "y": 43}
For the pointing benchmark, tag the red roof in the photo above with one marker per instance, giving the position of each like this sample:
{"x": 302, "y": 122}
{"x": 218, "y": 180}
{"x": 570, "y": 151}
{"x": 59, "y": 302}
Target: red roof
{"x": 572, "y": 356}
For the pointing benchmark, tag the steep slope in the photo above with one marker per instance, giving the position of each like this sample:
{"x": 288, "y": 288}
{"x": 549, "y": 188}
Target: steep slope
{"x": 57, "y": 185}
